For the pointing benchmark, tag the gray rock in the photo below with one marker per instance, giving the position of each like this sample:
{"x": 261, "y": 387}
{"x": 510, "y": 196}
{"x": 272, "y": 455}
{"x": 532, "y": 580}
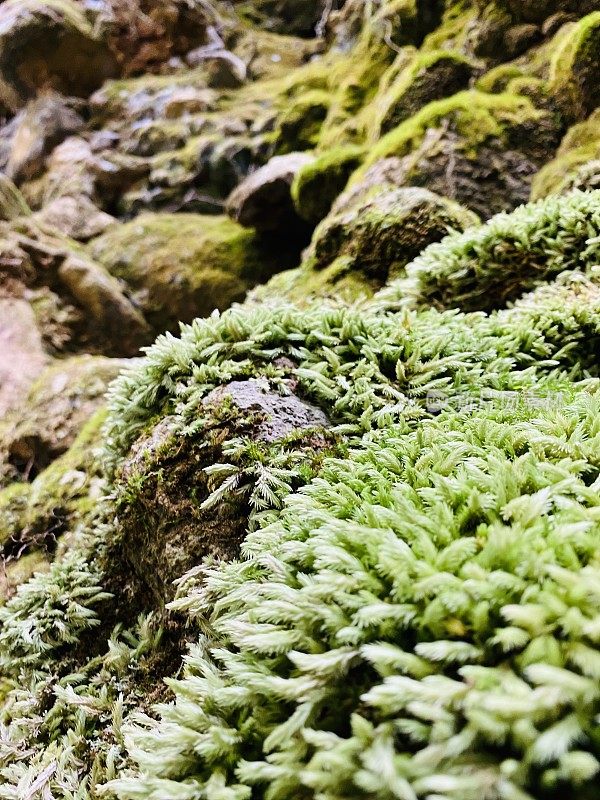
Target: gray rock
{"x": 44, "y": 123}
{"x": 278, "y": 415}
{"x": 263, "y": 200}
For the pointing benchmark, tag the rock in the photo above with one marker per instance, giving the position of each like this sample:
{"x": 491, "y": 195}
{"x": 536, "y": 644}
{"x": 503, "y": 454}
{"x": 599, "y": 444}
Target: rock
{"x": 283, "y": 16}
{"x": 22, "y": 355}
{"x": 319, "y": 182}
{"x": 539, "y": 10}
{"x": 556, "y": 21}
{"x": 44, "y": 123}
{"x": 39, "y": 520}
{"x": 575, "y": 164}
{"x": 181, "y": 266}
{"x": 479, "y": 149}
{"x": 185, "y": 100}
{"x": 49, "y": 44}
{"x": 76, "y": 217}
{"x": 154, "y": 484}
{"x": 101, "y": 297}
{"x": 429, "y": 76}
{"x": 372, "y": 232}
{"x": 378, "y": 232}
{"x": 520, "y": 38}
{"x": 62, "y": 398}
{"x": 574, "y": 68}
{"x": 144, "y": 35}
{"x": 299, "y": 125}
{"x": 263, "y": 200}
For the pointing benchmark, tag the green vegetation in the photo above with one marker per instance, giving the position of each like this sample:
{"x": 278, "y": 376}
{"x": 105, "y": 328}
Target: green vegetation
{"x": 486, "y": 267}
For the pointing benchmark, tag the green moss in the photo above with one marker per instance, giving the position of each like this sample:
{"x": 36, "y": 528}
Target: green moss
{"x": 574, "y": 67}
{"x": 475, "y": 115}
{"x": 318, "y": 184}
{"x": 33, "y": 515}
{"x": 491, "y": 265}
{"x": 580, "y": 145}
{"x": 184, "y": 265}
{"x": 432, "y": 75}
{"x": 453, "y": 30}
{"x": 299, "y": 125}
{"x": 497, "y": 79}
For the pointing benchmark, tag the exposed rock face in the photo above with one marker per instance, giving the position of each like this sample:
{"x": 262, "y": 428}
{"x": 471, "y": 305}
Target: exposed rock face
{"x": 154, "y": 484}
{"x": 264, "y": 200}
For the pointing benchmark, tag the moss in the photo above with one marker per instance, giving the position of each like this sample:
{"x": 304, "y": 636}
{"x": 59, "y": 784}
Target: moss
{"x": 574, "y": 67}
{"x": 318, "y": 184}
{"x": 491, "y": 265}
{"x": 368, "y": 240}
{"x": 299, "y": 126}
{"x": 496, "y": 80}
{"x": 452, "y": 32}
{"x": 580, "y": 145}
{"x": 34, "y": 516}
{"x": 432, "y": 75}
{"x": 184, "y": 265}
{"x": 476, "y": 117}
{"x": 59, "y": 402}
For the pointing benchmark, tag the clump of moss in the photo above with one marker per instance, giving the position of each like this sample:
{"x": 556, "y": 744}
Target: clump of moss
{"x": 35, "y": 516}
{"x": 476, "y": 116}
{"x": 432, "y": 75}
{"x": 580, "y": 146}
{"x": 487, "y": 267}
{"x": 317, "y": 185}
{"x": 404, "y": 617}
{"x": 574, "y": 67}
{"x": 184, "y": 265}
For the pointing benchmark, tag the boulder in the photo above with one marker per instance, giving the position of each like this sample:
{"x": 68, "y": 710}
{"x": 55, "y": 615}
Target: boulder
{"x": 429, "y": 76}
{"x": 49, "y": 44}
{"x": 74, "y": 216}
{"x": 479, "y": 149}
{"x": 59, "y": 402}
{"x": 263, "y": 201}
{"x": 153, "y": 484}
{"x": 377, "y": 232}
{"x": 102, "y": 298}
{"x": 22, "y": 355}
{"x": 44, "y": 123}
{"x": 181, "y": 266}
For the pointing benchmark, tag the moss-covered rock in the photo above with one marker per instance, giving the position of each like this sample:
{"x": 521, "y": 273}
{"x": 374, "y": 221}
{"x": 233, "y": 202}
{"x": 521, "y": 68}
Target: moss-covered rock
{"x": 432, "y": 75}
{"x": 49, "y": 43}
{"x": 367, "y": 240}
{"x": 575, "y": 164}
{"x": 488, "y": 266}
{"x": 184, "y": 265}
{"x": 479, "y": 149}
{"x": 36, "y": 516}
{"x": 318, "y": 183}
{"x": 575, "y": 65}
{"x": 59, "y": 402}
{"x": 163, "y": 528}
{"x": 299, "y": 126}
